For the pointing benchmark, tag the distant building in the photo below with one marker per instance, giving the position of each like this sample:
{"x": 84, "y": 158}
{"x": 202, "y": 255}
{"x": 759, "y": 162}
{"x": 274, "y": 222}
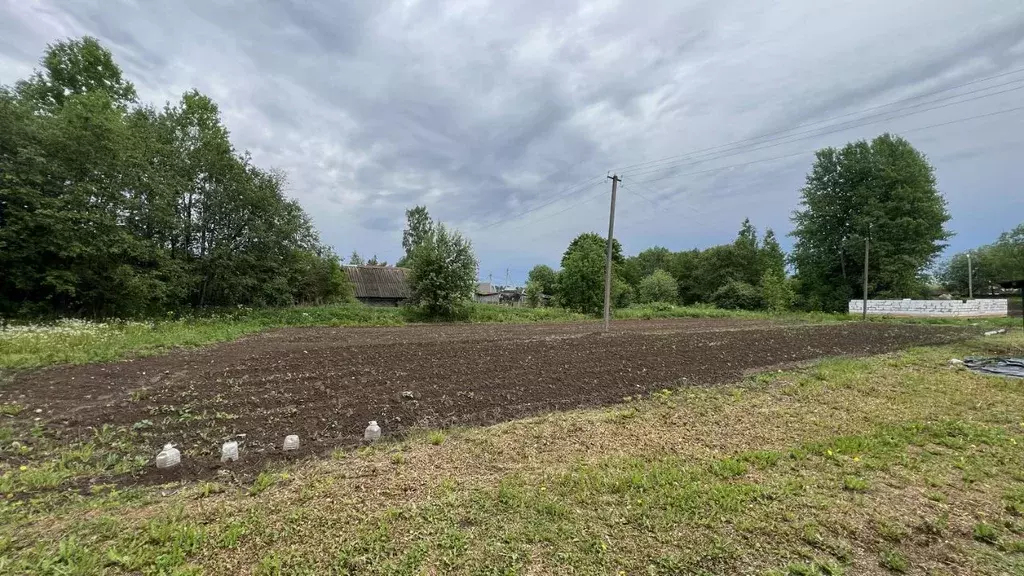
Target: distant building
{"x": 380, "y": 285}
{"x": 486, "y": 293}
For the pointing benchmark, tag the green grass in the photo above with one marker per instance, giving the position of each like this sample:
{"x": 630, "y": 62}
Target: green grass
{"x": 894, "y": 560}
{"x": 830, "y": 469}
{"x": 436, "y": 437}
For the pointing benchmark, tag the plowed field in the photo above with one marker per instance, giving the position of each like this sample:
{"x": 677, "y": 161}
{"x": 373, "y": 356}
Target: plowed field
{"x": 324, "y": 384}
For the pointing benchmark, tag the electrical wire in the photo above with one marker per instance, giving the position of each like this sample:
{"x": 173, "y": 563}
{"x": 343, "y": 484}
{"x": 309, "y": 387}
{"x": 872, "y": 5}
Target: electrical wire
{"x": 957, "y": 121}
{"x": 928, "y": 127}
{"x": 830, "y": 129}
{"x": 825, "y": 120}
{"x": 637, "y": 192}
{"x": 575, "y": 188}
{"x": 817, "y": 132}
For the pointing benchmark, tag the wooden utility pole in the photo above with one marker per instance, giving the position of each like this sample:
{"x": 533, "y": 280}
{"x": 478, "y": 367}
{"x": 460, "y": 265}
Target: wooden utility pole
{"x": 608, "y": 257}
{"x": 970, "y": 278}
{"x": 867, "y": 242}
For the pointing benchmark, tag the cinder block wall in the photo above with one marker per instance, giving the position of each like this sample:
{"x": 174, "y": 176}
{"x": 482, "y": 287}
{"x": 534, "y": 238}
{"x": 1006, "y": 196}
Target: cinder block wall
{"x": 939, "y": 308}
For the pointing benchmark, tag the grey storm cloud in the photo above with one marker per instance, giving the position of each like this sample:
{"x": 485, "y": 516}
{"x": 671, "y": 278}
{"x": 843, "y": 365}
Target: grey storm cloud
{"x": 504, "y": 117}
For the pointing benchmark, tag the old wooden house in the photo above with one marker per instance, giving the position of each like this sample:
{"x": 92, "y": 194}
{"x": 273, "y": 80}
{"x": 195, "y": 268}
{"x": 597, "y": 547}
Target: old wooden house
{"x": 380, "y": 285}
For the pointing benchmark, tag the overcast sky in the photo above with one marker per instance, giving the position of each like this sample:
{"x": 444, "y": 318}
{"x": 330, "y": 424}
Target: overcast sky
{"x": 505, "y": 117}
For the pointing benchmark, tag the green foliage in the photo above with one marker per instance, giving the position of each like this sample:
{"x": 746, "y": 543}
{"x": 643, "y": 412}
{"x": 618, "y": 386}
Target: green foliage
{"x": 533, "y": 294}
{"x": 659, "y": 286}
{"x": 737, "y": 295}
{"x": 443, "y": 273}
{"x": 592, "y": 240}
{"x": 987, "y": 533}
{"x": 777, "y": 291}
{"x": 75, "y": 67}
{"x": 263, "y": 481}
{"x": 894, "y": 560}
{"x": 855, "y": 484}
{"x": 885, "y": 186}
{"x": 545, "y": 278}
{"x": 356, "y": 260}
{"x": 418, "y": 229}
{"x": 990, "y": 264}
{"x": 581, "y": 281}
{"x": 622, "y": 295}
{"x": 638, "y": 267}
{"x": 113, "y": 208}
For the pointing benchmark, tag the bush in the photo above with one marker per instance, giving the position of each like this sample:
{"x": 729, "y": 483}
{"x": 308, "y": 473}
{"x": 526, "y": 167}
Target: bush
{"x": 658, "y": 287}
{"x": 777, "y": 292}
{"x": 738, "y": 295}
{"x": 533, "y": 293}
{"x": 622, "y": 294}
{"x": 443, "y": 273}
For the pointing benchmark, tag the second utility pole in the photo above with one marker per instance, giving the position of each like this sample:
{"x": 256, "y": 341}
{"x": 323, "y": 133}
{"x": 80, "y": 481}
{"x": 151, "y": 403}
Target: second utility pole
{"x": 608, "y": 258}
{"x": 867, "y": 242}
{"x": 970, "y": 278}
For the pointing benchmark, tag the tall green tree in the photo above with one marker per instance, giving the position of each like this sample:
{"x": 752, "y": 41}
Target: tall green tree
{"x": 884, "y": 188}
{"x": 418, "y": 228}
{"x": 443, "y": 272}
{"x": 581, "y": 280}
{"x": 110, "y": 207}
{"x": 355, "y": 259}
{"x": 75, "y": 67}
{"x": 776, "y": 289}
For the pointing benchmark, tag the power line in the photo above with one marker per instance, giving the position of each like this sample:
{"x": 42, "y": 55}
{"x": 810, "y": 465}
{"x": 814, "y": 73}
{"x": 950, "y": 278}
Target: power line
{"x": 637, "y": 192}
{"x": 817, "y": 132}
{"x": 595, "y": 180}
{"x": 930, "y": 126}
{"x": 575, "y": 204}
{"x": 848, "y": 128}
{"x": 829, "y": 119}
{"x": 575, "y": 188}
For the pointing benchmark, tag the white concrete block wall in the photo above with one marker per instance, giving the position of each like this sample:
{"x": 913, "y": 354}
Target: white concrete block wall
{"x": 938, "y": 308}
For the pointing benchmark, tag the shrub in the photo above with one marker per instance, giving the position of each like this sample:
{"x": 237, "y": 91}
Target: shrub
{"x": 660, "y": 286}
{"x": 443, "y": 273}
{"x": 738, "y": 296}
{"x": 533, "y": 292}
{"x": 777, "y": 291}
{"x": 622, "y": 294}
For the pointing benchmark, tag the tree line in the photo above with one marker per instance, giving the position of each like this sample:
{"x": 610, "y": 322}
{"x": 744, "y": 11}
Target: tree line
{"x": 113, "y": 207}
{"x": 990, "y": 264}
{"x": 881, "y": 192}
{"x": 748, "y": 273}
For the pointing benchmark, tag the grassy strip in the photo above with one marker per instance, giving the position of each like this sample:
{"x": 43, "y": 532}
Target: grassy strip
{"x": 887, "y": 465}
{"x": 77, "y": 342}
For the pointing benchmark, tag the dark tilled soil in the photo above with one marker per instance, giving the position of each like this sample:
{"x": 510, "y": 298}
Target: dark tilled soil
{"x": 324, "y": 384}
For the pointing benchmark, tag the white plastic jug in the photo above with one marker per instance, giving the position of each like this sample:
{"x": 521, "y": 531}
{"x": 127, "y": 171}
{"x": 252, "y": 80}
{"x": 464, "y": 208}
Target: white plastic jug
{"x": 372, "y": 432}
{"x": 291, "y": 442}
{"x": 229, "y": 452}
{"x": 169, "y": 457}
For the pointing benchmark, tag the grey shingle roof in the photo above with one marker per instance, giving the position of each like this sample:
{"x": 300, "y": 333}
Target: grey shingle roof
{"x": 379, "y": 281}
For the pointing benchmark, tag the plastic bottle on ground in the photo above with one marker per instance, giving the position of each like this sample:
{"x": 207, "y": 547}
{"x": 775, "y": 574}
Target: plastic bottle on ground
{"x": 291, "y": 442}
{"x": 372, "y": 432}
{"x": 169, "y": 457}
{"x": 229, "y": 452}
